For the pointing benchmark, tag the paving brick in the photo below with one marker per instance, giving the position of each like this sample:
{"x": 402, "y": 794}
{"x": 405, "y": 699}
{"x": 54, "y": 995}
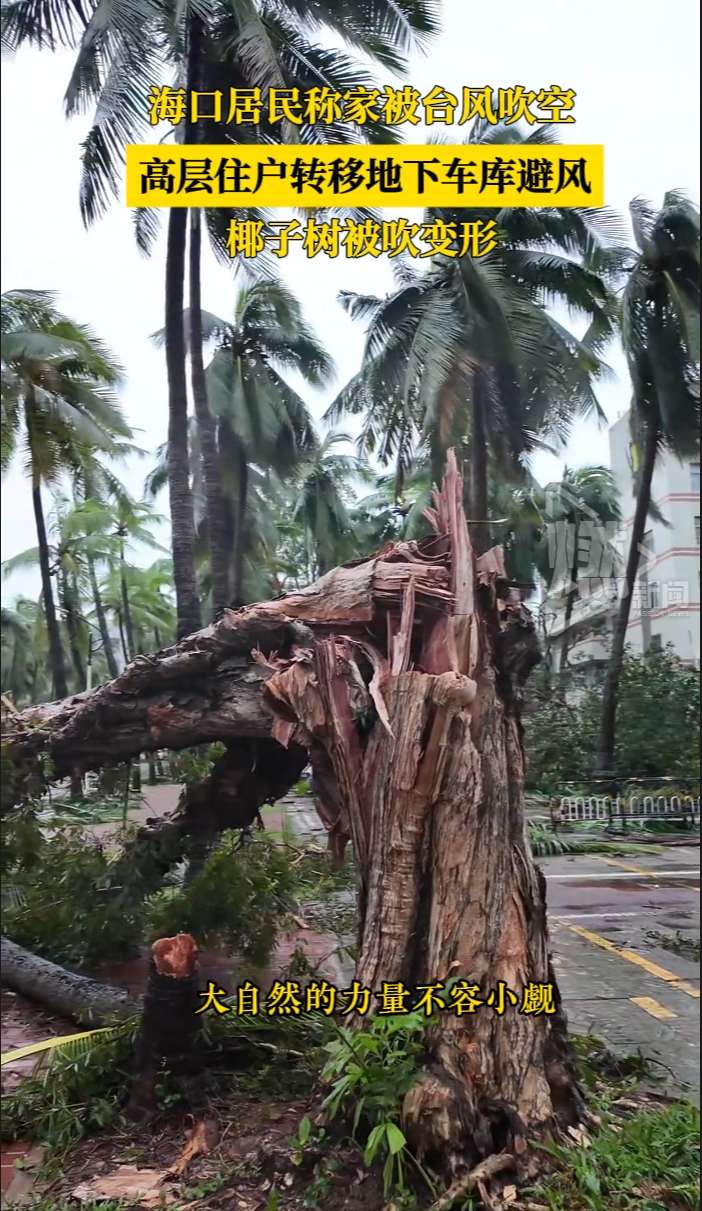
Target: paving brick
{"x": 17, "y": 1184}
{"x": 9, "y": 1153}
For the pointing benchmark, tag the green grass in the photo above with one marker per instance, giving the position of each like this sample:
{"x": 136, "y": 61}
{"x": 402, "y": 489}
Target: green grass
{"x": 87, "y": 812}
{"x": 547, "y": 844}
{"x": 648, "y": 1162}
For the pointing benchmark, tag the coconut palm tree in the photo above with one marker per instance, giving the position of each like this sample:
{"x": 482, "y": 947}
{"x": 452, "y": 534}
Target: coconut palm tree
{"x": 582, "y": 501}
{"x": 26, "y": 671}
{"x": 100, "y": 534}
{"x": 261, "y": 421}
{"x": 151, "y": 606}
{"x": 323, "y": 491}
{"x": 122, "y": 51}
{"x": 660, "y": 334}
{"x": 17, "y": 653}
{"x": 467, "y": 353}
{"x": 58, "y": 383}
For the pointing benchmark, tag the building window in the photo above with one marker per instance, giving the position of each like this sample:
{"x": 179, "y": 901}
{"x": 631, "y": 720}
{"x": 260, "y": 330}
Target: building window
{"x": 654, "y": 596}
{"x": 694, "y": 477}
{"x": 656, "y": 643}
{"x": 697, "y": 531}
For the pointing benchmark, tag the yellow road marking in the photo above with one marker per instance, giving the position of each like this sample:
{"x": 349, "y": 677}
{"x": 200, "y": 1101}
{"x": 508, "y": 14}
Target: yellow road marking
{"x": 631, "y": 957}
{"x": 655, "y": 1009}
{"x": 637, "y": 870}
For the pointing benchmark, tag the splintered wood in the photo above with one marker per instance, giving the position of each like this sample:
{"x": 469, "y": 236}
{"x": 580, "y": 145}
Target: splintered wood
{"x": 413, "y": 697}
{"x": 175, "y": 957}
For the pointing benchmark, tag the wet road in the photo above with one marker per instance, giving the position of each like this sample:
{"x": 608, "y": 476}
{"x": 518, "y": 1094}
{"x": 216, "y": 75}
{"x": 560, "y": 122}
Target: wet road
{"x": 612, "y": 921}
{"x": 637, "y": 893}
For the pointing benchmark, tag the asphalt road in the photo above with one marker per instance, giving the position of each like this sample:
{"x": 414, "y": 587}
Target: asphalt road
{"x": 612, "y": 923}
{"x": 612, "y": 920}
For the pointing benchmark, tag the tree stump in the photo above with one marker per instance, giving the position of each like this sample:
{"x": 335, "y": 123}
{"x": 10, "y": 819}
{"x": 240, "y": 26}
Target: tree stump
{"x": 168, "y": 1034}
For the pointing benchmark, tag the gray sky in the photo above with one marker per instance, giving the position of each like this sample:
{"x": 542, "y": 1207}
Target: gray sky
{"x": 634, "y": 65}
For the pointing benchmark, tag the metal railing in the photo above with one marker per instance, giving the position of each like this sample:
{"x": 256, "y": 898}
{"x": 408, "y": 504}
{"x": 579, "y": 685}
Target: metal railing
{"x": 618, "y": 812}
{"x": 617, "y": 802}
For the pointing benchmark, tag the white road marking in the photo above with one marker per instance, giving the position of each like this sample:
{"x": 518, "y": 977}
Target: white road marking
{"x": 625, "y": 874}
{"x": 593, "y": 916}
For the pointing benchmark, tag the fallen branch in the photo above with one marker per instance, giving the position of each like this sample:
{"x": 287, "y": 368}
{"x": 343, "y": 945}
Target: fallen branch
{"x": 66, "y": 994}
{"x": 475, "y": 1180}
{"x": 204, "y": 1137}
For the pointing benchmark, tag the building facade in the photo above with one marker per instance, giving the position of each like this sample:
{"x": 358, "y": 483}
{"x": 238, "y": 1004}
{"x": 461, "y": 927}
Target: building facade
{"x": 666, "y": 603}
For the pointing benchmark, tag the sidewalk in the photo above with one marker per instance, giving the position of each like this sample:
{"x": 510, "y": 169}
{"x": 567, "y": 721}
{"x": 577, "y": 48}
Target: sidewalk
{"x": 630, "y": 1009}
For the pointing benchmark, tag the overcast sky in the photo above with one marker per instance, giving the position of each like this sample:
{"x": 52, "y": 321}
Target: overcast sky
{"x": 634, "y": 65}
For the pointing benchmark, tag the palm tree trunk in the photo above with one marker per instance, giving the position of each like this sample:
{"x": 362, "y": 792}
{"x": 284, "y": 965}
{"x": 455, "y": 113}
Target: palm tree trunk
{"x": 465, "y": 472}
{"x": 56, "y": 659}
{"x": 480, "y": 528}
{"x": 124, "y": 592}
{"x": 102, "y": 622}
{"x": 69, "y": 612}
{"x": 123, "y": 641}
{"x": 214, "y": 496}
{"x": 63, "y": 992}
{"x": 570, "y": 604}
{"x": 240, "y": 527}
{"x": 179, "y": 492}
{"x": 608, "y": 720}
{"x": 229, "y": 529}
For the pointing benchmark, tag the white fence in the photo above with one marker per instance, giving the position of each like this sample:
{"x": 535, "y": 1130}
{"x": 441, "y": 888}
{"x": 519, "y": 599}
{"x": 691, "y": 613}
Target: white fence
{"x": 644, "y": 807}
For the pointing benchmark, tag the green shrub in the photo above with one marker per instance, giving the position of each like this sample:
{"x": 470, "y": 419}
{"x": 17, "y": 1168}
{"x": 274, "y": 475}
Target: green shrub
{"x": 236, "y": 901}
{"x": 70, "y": 910}
{"x": 76, "y": 905}
{"x": 369, "y": 1072}
{"x": 191, "y": 765}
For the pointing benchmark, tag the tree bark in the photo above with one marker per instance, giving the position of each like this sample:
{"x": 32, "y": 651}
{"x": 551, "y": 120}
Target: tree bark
{"x": 63, "y": 992}
{"x": 242, "y": 498}
{"x": 126, "y": 608}
{"x": 431, "y": 788}
{"x": 214, "y": 495}
{"x": 570, "y": 604}
{"x": 122, "y": 638}
{"x": 480, "y": 528}
{"x": 608, "y": 720}
{"x": 58, "y": 667}
{"x": 207, "y": 688}
{"x": 179, "y": 491}
{"x": 68, "y": 601}
{"x": 102, "y": 622}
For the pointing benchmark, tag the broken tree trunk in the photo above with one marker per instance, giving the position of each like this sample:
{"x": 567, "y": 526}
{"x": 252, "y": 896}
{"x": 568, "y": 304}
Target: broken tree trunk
{"x": 207, "y": 688}
{"x": 431, "y": 784}
{"x": 66, "y": 994}
{"x": 168, "y": 1033}
{"x": 401, "y": 676}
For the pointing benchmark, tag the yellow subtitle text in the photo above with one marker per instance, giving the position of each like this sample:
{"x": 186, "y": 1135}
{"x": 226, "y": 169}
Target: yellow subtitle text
{"x": 472, "y": 175}
{"x": 362, "y": 106}
{"x": 248, "y": 238}
{"x": 287, "y": 998}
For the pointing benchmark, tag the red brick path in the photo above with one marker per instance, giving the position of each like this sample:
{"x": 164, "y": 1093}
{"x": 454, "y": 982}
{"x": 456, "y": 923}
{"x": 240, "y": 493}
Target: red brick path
{"x": 9, "y": 1153}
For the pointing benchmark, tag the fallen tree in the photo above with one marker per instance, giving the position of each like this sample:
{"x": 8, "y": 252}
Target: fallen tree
{"x": 400, "y": 676}
{"x": 65, "y": 993}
